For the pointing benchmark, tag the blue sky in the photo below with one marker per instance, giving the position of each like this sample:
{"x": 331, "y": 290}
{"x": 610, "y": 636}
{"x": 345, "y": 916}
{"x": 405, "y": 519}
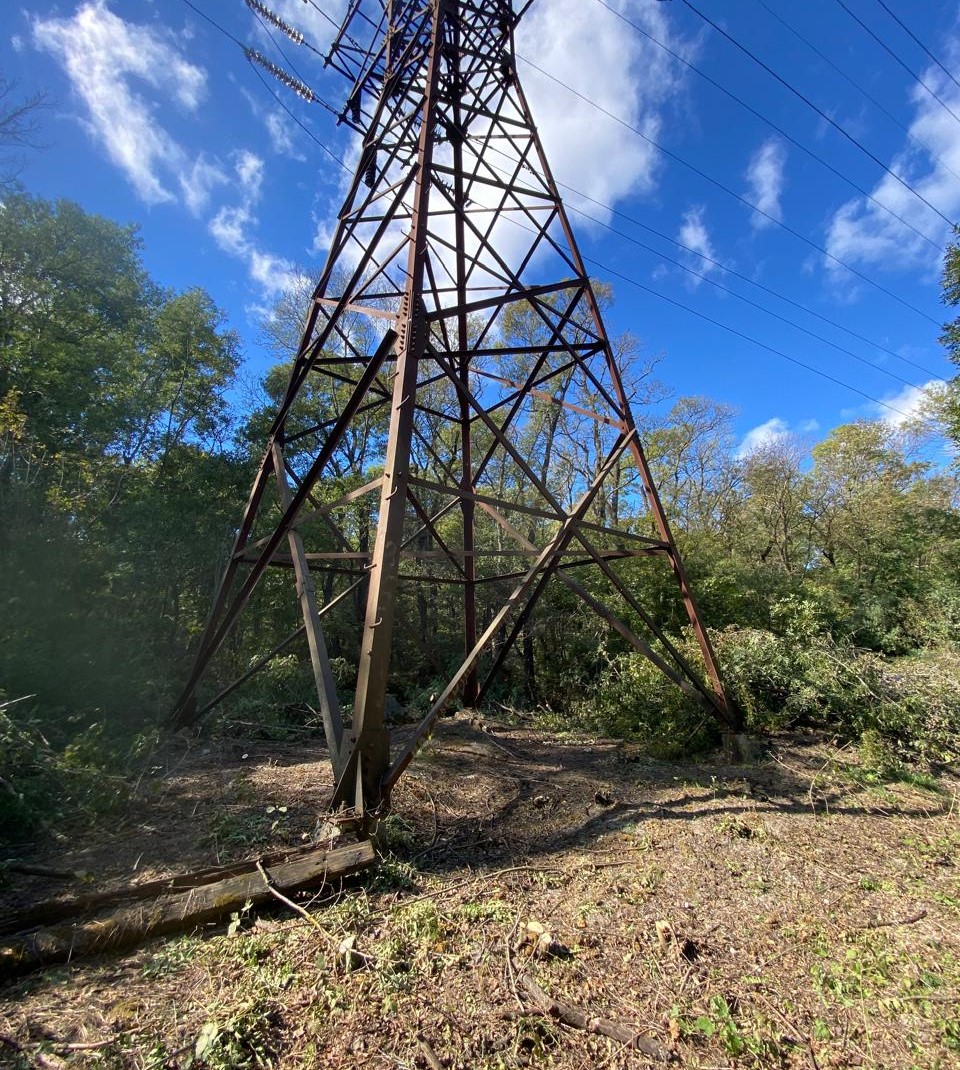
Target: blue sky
{"x": 157, "y": 118}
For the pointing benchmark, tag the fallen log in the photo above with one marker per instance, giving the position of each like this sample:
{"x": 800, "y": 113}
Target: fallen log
{"x": 54, "y": 910}
{"x": 179, "y": 912}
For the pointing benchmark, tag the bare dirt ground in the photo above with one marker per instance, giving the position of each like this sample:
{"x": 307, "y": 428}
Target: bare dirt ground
{"x": 783, "y": 913}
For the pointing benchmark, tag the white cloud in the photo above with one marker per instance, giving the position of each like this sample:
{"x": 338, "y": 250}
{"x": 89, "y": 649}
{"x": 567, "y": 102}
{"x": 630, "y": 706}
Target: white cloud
{"x": 765, "y": 177}
{"x": 281, "y": 136}
{"x": 232, "y": 227}
{"x": 279, "y": 127}
{"x": 250, "y": 172}
{"x": 911, "y": 406}
{"x": 861, "y": 233}
{"x": 624, "y": 73}
{"x": 695, "y": 236}
{"x": 765, "y": 434}
{"x": 16, "y": 43}
{"x": 198, "y": 181}
{"x": 102, "y": 54}
{"x": 771, "y": 433}
{"x": 601, "y": 57}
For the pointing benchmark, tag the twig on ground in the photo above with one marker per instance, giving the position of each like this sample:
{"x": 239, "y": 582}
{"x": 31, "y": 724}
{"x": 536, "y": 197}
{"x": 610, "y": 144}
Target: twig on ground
{"x": 92, "y": 1045}
{"x": 306, "y": 915}
{"x": 429, "y": 1055}
{"x": 792, "y": 1027}
{"x": 511, "y": 974}
{"x": 579, "y": 1019}
{"x": 911, "y": 919}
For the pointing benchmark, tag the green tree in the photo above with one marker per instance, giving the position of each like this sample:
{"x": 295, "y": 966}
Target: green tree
{"x": 117, "y": 489}
{"x": 879, "y": 522}
{"x": 948, "y": 401}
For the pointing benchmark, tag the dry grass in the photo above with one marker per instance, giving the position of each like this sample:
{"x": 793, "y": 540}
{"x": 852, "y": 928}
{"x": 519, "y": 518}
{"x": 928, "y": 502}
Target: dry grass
{"x": 788, "y": 913}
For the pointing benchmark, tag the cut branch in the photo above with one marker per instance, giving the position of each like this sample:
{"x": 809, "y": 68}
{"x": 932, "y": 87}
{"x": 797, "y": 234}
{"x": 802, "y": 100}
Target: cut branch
{"x": 624, "y": 1034}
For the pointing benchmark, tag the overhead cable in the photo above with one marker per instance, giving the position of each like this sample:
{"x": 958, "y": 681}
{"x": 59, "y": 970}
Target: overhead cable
{"x": 746, "y": 278}
{"x": 823, "y": 115}
{"x": 226, "y": 33}
{"x": 859, "y": 88}
{"x": 773, "y": 126}
{"x": 906, "y": 29}
{"x": 913, "y": 74}
{"x": 732, "y": 193}
{"x": 704, "y": 277}
{"x": 609, "y": 271}
{"x": 746, "y": 337}
{"x": 753, "y": 207}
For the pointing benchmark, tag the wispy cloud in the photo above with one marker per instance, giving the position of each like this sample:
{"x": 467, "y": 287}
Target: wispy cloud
{"x": 110, "y": 62}
{"x": 279, "y": 126}
{"x": 232, "y": 228}
{"x": 861, "y": 233}
{"x": 696, "y": 237}
{"x": 771, "y": 433}
{"x": 198, "y": 181}
{"x": 913, "y": 405}
{"x": 765, "y": 178}
{"x": 102, "y": 55}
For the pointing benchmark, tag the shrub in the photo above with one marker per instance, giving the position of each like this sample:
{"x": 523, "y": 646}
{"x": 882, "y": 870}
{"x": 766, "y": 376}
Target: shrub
{"x": 634, "y": 700}
{"x": 40, "y": 782}
{"x": 278, "y": 703}
{"x": 907, "y": 706}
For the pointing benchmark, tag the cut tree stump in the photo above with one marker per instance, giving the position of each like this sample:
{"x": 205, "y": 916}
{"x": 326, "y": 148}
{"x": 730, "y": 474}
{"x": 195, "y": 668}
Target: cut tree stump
{"x": 179, "y": 912}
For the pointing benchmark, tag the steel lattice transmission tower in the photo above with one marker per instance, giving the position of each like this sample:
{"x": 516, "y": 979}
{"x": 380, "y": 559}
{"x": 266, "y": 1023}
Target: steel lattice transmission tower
{"x": 452, "y": 223}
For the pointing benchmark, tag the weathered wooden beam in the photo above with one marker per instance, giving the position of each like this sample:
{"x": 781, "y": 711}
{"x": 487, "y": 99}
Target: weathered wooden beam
{"x": 181, "y": 912}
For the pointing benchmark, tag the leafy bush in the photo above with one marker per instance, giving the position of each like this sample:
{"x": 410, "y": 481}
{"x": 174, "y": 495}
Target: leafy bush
{"x": 907, "y": 706}
{"x": 634, "y": 700}
{"x": 41, "y": 782}
{"x": 278, "y": 703}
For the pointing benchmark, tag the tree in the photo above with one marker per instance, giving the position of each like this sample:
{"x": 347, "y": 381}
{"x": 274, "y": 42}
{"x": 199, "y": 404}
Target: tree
{"x": 878, "y": 522}
{"x": 691, "y": 457}
{"x": 19, "y": 127}
{"x": 117, "y": 488}
{"x": 768, "y": 525}
{"x": 948, "y": 402}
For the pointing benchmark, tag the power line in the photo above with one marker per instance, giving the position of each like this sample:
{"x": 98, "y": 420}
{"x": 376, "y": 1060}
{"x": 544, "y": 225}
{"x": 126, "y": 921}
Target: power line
{"x": 773, "y": 219}
{"x": 607, "y": 270}
{"x": 648, "y": 289}
{"x": 258, "y": 13}
{"x": 913, "y": 74}
{"x": 257, "y": 9}
{"x": 319, "y": 9}
{"x": 746, "y": 278}
{"x": 860, "y": 89}
{"x": 769, "y": 122}
{"x": 732, "y": 193}
{"x": 823, "y": 115}
{"x": 310, "y": 134}
{"x": 726, "y": 289}
{"x": 906, "y": 29}
{"x": 746, "y": 300}
{"x": 746, "y": 337}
